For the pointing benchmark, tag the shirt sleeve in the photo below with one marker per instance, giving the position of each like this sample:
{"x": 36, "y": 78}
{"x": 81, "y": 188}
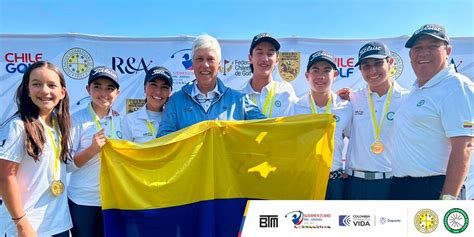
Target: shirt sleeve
{"x": 12, "y": 137}
{"x": 251, "y": 110}
{"x": 169, "y": 119}
{"x": 126, "y": 129}
{"x": 457, "y": 112}
{"x": 76, "y": 141}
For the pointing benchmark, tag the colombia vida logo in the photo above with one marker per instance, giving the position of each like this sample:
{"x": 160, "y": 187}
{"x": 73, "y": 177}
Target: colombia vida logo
{"x": 77, "y": 63}
{"x": 456, "y": 220}
{"x": 426, "y": 221}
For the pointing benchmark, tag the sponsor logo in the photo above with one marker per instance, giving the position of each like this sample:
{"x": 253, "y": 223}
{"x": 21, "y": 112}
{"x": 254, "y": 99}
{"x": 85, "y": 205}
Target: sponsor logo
{"x": 130, "y": 65}
{"x": 397, "y": 67}
{"x": 226, "y": 68}
{"x": 132, "y": 105}
{"x": 384, "y": 220}
{"x": 390, "y": 115}
{"x": 426, "y": 221}
{"x": 301, "y": 220}
{"x": 420, "y": 103}
{"x": 456, "y": 220}
{"x": 77, "y": 63}
{"x": 242, "y": 68}
{"x": 268, "y": 221}
{"x": 369, "y": 48}
{"x": 19, "y": 62}
{"x": 358, "y": 112}
{"x": 181, "y": 66}
{"x": 361, "y": 220}
{"x": 345, "y": 66}
{"x": 289, "y": 66}
{"x": 344, "y": 220}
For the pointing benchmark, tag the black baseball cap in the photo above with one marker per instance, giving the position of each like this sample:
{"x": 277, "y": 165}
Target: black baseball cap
{"x": 159, "y": 72}
{"x": 374, "y": 49}
{"x": 321, "y": 55}
{"x": 103, "y": 72}
{"x": 434, "y": 30}
{"x": 264, "y": 37}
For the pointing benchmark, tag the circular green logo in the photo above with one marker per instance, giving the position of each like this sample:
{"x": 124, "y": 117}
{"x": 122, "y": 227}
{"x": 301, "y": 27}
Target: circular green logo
{"x": 456, "y": 220}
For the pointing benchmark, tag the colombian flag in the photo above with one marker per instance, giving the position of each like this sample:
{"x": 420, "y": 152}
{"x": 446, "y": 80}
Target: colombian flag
{"x": 196, "y": 181}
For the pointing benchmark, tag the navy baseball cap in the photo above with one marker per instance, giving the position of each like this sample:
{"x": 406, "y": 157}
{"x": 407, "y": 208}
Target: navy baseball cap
{"x": 374, "y": 49}
{"x": 264, "y": 37}
{"x": 103, "y": 72}
{"x": 159, "y": 72}
{"x": 434, "y": 30}
{"x": 321, "y": 55}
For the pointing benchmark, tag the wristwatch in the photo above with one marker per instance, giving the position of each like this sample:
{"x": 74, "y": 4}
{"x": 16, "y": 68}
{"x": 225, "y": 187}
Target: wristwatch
{"x": 447, "y": 197}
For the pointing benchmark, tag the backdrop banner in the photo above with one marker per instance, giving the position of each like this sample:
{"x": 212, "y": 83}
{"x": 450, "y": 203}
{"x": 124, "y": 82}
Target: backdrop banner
{"x": 76, "y": 54}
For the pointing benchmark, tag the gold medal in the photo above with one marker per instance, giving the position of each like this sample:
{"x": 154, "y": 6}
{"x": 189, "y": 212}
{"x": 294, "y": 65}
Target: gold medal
{"x": 57, "y": 188}
{"x": 377, "y": 147}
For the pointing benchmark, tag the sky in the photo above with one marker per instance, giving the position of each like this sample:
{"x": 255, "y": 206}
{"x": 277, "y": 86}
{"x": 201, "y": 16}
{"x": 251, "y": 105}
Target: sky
{"x": 240, "y": 19}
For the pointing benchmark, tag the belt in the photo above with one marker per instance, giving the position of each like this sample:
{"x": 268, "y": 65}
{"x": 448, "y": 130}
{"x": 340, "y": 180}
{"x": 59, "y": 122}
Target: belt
{"x": 337, "y": 174}
{"x": 369, "y": 175}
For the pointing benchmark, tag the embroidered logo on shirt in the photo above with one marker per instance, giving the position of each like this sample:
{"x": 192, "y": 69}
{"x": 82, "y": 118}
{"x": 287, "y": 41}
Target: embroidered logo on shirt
{"x": 277, "y": 103}
{"x": 390, "y": 115}
{"x": 188, "y": 109}
{"x": 358, "y": 112}
{"x": 118, "y": 134}
{"x": 3, "y": 142}
{"x": 337, "y": 118}
{"x": 420, "y": 103}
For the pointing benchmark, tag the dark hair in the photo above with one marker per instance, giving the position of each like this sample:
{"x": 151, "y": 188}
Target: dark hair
{"x": 29, "y": 113}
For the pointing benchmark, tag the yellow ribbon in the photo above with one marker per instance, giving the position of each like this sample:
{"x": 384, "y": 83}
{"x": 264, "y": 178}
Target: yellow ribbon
{"x": 378, "y": 129}
{"x": 97, "y": 123}
{"x": 313, "y": 108}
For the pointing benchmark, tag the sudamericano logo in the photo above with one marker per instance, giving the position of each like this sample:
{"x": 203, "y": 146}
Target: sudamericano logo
{"x": 390, "y": 115}
{"x": 397, "y": 67}
{"x": 456, "y": 220}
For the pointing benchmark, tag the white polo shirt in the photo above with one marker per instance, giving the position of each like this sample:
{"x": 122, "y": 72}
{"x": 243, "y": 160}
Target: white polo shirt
{"x": 284, "y": 100}
{"x": 205, "y": 100}
{"x": 84, "y": 182}
{"x": 47, "y": 214}
{"x": 440, "y": 109}
{"x": 359, "y": 156}
{"x": 342, "y": 109}
{"x": 135, "y": 128}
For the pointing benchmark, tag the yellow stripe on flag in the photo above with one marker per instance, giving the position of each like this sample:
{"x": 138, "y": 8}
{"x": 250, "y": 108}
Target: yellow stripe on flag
{"x": 284, "y": 158}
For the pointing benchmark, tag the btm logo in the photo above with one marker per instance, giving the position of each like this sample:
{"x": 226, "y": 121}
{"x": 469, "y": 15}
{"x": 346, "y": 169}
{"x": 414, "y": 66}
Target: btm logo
{"x": 268, "y": 221}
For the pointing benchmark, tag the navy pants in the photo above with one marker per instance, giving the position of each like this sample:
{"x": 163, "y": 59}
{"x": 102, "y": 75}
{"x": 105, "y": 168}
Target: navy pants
{"x": 335, "y": 189}
{"x": 363, "y": 189}
{"x": 417, "y": 188}
{"x": 87, "y": 220}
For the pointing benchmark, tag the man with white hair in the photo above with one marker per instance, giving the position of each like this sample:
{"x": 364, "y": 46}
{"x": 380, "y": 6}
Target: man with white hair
{"x": 206, "y": 98}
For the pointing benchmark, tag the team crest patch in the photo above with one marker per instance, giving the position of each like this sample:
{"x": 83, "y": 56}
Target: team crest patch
{"x": 77, "y": 63}
{"x": 119, "y": 134}
{"x": 337, "y": 118}
{"x": 397, "y": 67}
{"x": 289, "y": 66}
{"x": 426, "y": 221}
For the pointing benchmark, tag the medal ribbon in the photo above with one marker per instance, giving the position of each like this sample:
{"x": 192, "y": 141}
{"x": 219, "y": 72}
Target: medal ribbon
{"x": 97, "y": 124}
{"x": 269, "y": 101}
{"x": 151, "y": 128}
{"x": 56, "y": 148}
{"x": 313, "y": 109}
{"x": 378, "y": 129}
